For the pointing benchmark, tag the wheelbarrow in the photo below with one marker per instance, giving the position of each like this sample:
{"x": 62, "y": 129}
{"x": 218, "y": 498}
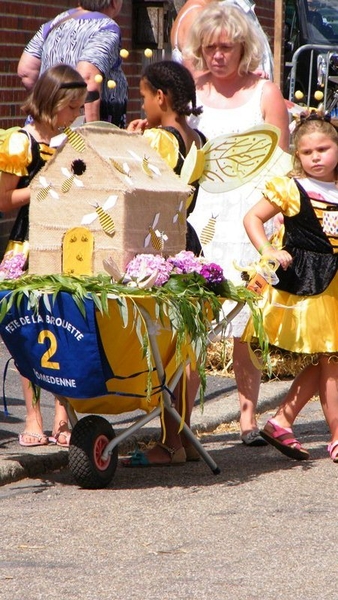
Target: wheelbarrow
{"x": 102, "y": 363}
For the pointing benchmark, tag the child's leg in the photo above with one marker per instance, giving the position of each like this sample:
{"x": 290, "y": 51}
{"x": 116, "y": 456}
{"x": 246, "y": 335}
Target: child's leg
{"x": 328, "y": 393}
{"x": 173, "y": 439}
{"x": 61, "y": 430}
{"x": 303, "y": 388}
{"x": 34, "y": 423}
{"x": 278, "y": 430}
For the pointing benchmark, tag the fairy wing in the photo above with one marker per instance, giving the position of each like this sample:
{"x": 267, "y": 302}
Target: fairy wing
{"x": 193, "y": 166}
{"x": 232, "y": 160}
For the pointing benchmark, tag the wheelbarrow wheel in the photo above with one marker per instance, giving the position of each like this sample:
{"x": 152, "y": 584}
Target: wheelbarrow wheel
{"x": 90, "y": 437}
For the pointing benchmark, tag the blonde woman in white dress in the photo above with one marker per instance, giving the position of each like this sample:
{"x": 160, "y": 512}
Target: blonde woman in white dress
{"x": 224, "y": 46}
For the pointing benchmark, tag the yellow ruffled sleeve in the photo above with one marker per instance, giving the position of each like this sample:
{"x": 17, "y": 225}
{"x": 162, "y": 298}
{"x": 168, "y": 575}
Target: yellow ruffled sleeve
{"x": 165, "y": 143}
{"x": 15, "y": 153}
{"x": 283, "y": 192}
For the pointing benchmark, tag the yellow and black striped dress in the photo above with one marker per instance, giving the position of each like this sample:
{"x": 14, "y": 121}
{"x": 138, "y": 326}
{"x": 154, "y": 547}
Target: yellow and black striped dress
{"x": 306, "y": 323}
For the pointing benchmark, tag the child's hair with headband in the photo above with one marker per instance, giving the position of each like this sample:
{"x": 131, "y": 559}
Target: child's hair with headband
{"x": 55, "y": 89}
{"x": 312, "y": 122}
{"x": 176, "y": 82}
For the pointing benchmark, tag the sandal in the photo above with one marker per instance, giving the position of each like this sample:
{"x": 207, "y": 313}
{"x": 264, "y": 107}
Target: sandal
{"x": 192, "y": 454}
{"x": 41, "y": 439}
{"x": 65, "y": 435}
{"x": 140, "y": 459}
{"x": 283, "y": 439}
{"x": 253, "y": 438}
{"x": 333, "y": 451}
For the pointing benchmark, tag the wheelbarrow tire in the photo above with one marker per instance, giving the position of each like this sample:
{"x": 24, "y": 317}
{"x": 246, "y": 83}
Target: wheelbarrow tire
{"x": 89, "y": 438}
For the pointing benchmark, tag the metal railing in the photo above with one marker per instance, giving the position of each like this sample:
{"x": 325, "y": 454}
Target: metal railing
{"x": 324, "y": 54}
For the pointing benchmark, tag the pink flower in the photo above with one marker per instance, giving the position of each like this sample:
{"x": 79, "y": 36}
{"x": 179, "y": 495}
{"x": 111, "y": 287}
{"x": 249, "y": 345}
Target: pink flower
{"x": 144, "y": 265}
{"x": 13, "y": 265}
{"x": 185, "y": 262}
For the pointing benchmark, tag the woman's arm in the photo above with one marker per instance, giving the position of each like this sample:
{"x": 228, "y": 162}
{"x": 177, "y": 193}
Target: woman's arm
{"x": 254, "y": 225}
{"x": 88, "y": 72}
{"x": 11, "y": 197}
{"x": 28, "y": 70}
{"x": 275, "y": 112}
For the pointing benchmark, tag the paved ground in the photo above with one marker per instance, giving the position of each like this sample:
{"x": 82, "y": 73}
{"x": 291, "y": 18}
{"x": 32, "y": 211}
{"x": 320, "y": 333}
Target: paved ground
{"x": 221, "y": 406}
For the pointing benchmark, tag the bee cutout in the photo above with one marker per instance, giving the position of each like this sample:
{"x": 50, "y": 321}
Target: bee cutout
{"x": 105, "y": 219}
{"x": 180, "y": 213}
{"x": 145, "y": 166}
{"x": 75, "y": 139}
{"x": 122, "y": 168}
{"x": 78, "y": 167}
{"x": 229, "y": 161}
{"x": 46, "y": 189}
{"x": 208, "y": 232}
{"x": 148, "y": 168}
{"x": 156, "y": 237}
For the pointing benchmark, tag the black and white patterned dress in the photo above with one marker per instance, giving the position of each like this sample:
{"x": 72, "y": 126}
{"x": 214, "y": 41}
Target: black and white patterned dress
{"x": 91, "y": 37}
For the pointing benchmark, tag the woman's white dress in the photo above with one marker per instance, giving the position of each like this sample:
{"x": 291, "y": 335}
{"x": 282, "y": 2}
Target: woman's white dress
{"x": 230, "y": 244}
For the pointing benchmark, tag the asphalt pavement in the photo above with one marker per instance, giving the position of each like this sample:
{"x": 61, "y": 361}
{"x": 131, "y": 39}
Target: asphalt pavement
{"x": 16, "y": 462}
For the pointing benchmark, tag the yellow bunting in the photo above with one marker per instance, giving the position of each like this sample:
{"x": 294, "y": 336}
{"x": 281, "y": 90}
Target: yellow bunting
{"x": 111, "y": 84}
{"x": 98, "y": 78}
{"x": 148, "y": 53}
{"x": 124, "y": 53}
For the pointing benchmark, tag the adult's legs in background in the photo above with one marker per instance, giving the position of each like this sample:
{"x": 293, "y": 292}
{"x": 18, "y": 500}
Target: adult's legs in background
{"x": 248, "y": 379}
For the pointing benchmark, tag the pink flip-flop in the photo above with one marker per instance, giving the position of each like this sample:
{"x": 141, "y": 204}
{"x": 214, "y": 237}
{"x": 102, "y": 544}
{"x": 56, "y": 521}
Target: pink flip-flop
{"x": 41, "y": 439}
{"x": 333, "y": 451}
{"x": 284, "y": 440}
{"x": 64, "y": 434}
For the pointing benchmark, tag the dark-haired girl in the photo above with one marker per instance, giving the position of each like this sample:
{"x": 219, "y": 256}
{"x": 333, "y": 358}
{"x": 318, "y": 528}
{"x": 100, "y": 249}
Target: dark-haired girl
{"x": 168, "y": 92}
{"x": 169, "y": 97}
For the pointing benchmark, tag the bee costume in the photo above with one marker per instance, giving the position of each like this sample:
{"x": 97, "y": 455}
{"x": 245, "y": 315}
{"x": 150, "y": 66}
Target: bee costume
{"x": 22, "y": 155}
{"x": 168, "y": 142}
{"x": 301, "y": 311}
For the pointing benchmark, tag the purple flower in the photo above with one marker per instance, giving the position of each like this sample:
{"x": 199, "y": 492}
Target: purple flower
{"x": 212, "y": 273}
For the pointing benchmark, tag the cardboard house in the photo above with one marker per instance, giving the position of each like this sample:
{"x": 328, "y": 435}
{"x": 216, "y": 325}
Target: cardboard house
{"x": 105, "y": 193}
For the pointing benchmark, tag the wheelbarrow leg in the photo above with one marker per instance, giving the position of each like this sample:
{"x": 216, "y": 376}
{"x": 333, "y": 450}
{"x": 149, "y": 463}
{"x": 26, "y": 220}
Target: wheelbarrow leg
{"x": 166, "y": 394}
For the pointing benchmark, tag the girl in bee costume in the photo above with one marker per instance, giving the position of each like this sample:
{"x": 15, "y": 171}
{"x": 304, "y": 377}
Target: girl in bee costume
{"x": 169, "y": 97}
{"x": 301, "y": 310}
{"x": 55, "y": 102}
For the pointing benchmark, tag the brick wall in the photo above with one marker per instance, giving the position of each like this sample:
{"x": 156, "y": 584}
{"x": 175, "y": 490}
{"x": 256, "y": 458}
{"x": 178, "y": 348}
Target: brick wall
{"x": 20, "y": 20}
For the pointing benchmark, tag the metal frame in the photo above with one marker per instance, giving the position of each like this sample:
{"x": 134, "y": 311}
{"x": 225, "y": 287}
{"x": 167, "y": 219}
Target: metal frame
{"x": 166, "y": 393}
{"x": 327, "y": 52}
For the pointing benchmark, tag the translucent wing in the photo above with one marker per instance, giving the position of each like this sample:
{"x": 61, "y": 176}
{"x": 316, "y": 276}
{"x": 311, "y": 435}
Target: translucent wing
{"x": 232, "y": 160}
{"x": 193, "y": 166}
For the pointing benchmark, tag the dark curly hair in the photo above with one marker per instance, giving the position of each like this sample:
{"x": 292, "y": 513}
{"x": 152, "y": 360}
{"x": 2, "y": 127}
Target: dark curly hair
{"x": 175, "y": 81}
